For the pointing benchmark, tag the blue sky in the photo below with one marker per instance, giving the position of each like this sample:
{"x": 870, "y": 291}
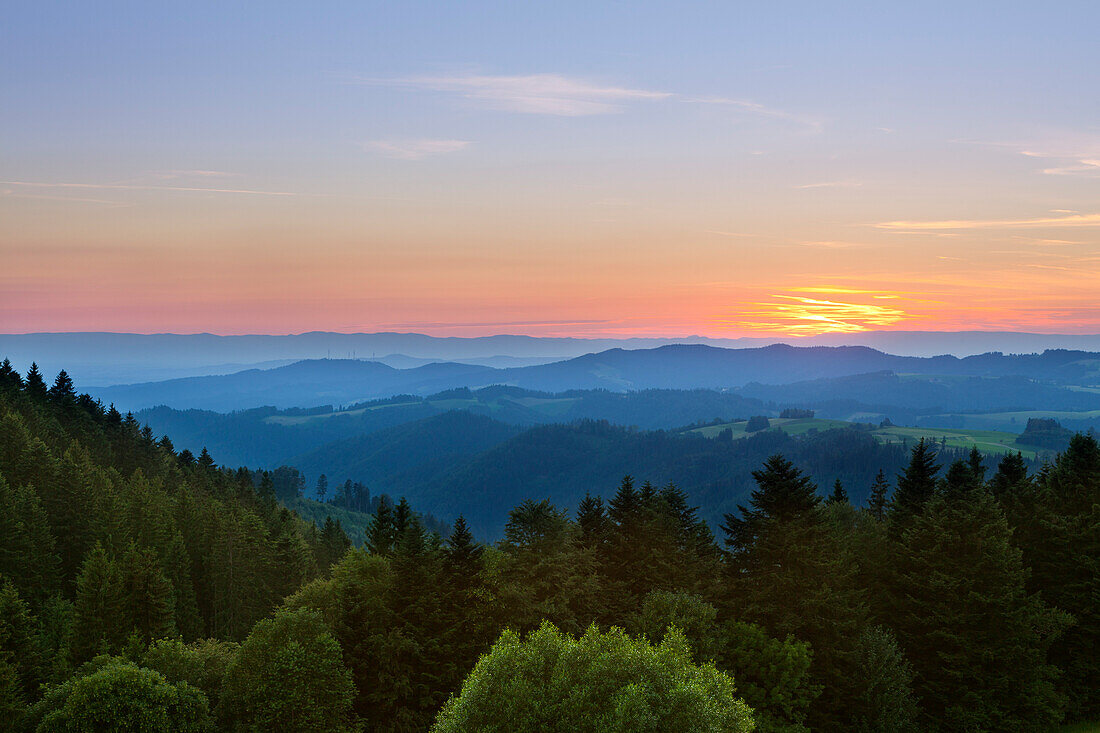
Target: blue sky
{"x": 731, "y": 151}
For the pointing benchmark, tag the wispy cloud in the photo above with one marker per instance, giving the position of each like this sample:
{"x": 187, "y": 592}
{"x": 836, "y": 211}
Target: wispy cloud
{"x": 143, "y": 187}
{"x": 799, "y": 315}
{"x": 831, "y": 184}
{"x": 829, "y": 244}
{"x": 557, "y": 94}
{"x": 1085, "y": 161}
{"x": 172, "y": 174}
{"x": 543, "y": 94}
{"x": 414, "y": 149}
{"x": 1075, "y": 220}
{"x": 758, "y": 109}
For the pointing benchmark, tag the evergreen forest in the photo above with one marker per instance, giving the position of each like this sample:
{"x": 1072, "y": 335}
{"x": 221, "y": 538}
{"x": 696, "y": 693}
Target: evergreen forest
{"x": 146, "y": 588}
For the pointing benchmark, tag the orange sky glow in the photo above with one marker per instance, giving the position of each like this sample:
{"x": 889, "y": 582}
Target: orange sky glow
{"x": 745, "y": 176}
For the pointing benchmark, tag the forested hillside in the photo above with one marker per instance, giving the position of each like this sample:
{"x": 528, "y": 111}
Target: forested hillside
{"x": 144, "y": 589}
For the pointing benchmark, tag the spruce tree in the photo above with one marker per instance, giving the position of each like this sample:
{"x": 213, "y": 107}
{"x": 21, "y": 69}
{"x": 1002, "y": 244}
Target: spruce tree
{"x": 96, "y": 627}
{"x": 10, "y": 381}
{"x": 916, "y": 485}
{"x": 35, "y": 386}
{"x": 322, "y": 487}
{"x": 592, "y": 521}
{"x": 1059, "y": 532}
{"x": 148, "y": 599}
{"x": 28, "y": 553}
{"x": 626, "y": 504}
{"x": 1010, "y": 477}
{"x": 20, "y": 644}
{"x": 839, "y": 495}
{"x": 402, "y": 516}
{"x": 974, "y": 461}
{"x": 790, "y": 573}
{"x": 62, "y": 390}
{"x": 976, "y": 638}
{"x": 178, "y": 571}
{"x": 781, "y": 493}
{"x": 877, "y": 502}
{"x": 959, "y": 480}
{"x": 380, "y": 532}
{"x": 462, "y": 554}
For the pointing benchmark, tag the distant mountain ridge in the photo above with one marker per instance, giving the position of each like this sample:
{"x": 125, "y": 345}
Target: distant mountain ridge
{"x": 679, "y": 366}
{"x": 121, "y": 358}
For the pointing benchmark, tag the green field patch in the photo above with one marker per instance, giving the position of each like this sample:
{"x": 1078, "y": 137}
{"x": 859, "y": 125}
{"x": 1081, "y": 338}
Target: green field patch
{"x": 300, "y": 419}
{"x": 987, "y": 441}
{"x": 791, "y": 426}
{"x": 456, "y": 403}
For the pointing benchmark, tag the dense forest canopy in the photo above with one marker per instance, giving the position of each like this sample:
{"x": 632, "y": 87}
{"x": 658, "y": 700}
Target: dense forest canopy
{"x": 144, "y": 588}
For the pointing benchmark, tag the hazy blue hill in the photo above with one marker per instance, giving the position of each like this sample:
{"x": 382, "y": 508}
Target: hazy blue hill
{"x": 270, "y": 437}
{"x": 389, "y": 460}
{"x": 678, "y": 367}
{"x": 302, "y": 384}
{"x": 883, "y": 391}
{"x": 562, "y": 462}
{"x": 259, "y": 437}
{"x": 119, "y": 358}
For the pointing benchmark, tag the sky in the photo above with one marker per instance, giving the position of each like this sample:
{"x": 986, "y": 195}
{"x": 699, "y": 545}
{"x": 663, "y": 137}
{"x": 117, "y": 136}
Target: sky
{"x": 567, "y": 168}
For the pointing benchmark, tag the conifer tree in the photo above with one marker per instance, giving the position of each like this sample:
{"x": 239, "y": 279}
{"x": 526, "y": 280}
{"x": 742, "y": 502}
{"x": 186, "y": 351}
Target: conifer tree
{"x": 35, "y": 385}
{"x": 960, "y": 602}
{"x": 20, "y": 644}
{"x": 27, "y": 548}
{"x": 334, "y": 542}
{"x": 1011, "y": 475}
{"x": 62, "y": 390}
{"x": 959, "y": 480}
{"x": 178, "y": 571}
{"x": 626, "y": 504}
{"x": 916, "y": 485}
{"x": 402, "y": 516}
{"x": 974, "y": 461}
{"x": 592, "y": 521}
{"x": 10, "y": 381}
{"x": 97, "y": 606}
{"x": 1059, "y": 532}
{"x": 148, "y": 599}
{"x": 380, "y": 533}
{"x": 789, "y": 572}
{"x": 322, "y": 487}
{"x": 877, "y": 502}
{"x": 839, "y": 495}
{"x": 462, "y": 553}
{"x": 781, "y": 493}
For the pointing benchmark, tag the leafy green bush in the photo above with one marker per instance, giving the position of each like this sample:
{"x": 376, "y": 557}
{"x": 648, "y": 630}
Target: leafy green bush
{"x": 551, "y": 682}
{"x": 111, "y": 694}
{"x": 201, "y": 664}
{"x": 288, "y": 676}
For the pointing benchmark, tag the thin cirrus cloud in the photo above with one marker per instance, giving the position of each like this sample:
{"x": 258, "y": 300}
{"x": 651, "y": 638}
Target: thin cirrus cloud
{"x": 143, "y": 187}
{"x": 1080, "y": 161}
{"x": 759, "y": 109}
{"x": 541, "y": 94}
{"x": 1075, "y": 220}
{"x": 832, "y": 184}
{"x": 414, "y": 149}
{"x": 556, "y": 94}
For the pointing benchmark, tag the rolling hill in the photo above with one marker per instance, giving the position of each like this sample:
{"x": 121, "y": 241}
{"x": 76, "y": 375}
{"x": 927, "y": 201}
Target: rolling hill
{"x": 680, "y": 366}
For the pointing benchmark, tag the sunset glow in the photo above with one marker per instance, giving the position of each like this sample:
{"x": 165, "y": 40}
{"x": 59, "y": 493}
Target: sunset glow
{"x": 741, "y": 182}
